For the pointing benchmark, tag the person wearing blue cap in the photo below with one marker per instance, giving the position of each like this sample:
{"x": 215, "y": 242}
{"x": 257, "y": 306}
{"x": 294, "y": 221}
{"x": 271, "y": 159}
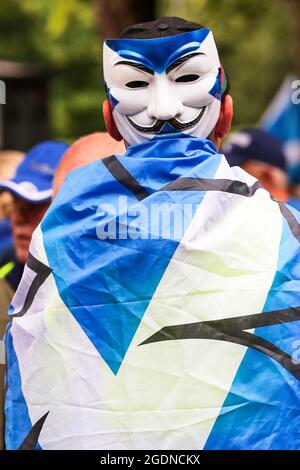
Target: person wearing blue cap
{"x": 9, "y": 162}
{"x": 31, "y": 188}
{"x": 261, "y": 155}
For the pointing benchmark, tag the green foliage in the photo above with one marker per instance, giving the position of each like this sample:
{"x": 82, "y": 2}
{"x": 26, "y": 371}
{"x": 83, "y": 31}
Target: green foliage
{"x": 253, "y": 37}
{"x": 61, "y": 34}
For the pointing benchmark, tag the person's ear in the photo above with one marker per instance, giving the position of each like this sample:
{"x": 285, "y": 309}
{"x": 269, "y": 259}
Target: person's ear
{"x": 273, "y": 179}
{"x": 110, "y": 123}
{"x": 223, "y": 125}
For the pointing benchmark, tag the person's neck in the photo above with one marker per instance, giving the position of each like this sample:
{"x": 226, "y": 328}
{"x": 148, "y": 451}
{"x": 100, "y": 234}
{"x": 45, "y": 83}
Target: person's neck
{"x": 211, "y": 137}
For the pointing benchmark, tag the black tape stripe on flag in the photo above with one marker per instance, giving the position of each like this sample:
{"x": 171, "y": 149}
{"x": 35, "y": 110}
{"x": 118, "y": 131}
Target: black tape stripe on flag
{"x": 120, "y": 173}
{"x": 31, "y": 440}
{"x": 204, "y": 184}
{"x": 196, "y": 184}
{"x": 291, "y": 220}
{"x": 42, "y": 272}
{"x": 232, "y": 330}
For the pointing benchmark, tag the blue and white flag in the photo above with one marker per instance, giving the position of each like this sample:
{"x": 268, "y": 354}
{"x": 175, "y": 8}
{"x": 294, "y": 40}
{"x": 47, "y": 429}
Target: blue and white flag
{"x": 282, "y": 120}
{"x": 159, "y": 309}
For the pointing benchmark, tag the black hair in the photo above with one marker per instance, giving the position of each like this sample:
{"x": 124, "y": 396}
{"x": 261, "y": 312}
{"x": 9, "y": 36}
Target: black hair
{"x": 164, "y": 27}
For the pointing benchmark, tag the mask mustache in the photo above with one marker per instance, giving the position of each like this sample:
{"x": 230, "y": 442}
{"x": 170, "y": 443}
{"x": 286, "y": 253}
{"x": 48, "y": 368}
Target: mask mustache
{"x": 177, "y": 126}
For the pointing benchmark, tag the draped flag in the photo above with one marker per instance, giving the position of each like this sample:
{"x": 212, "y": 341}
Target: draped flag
{"x": 159, "y": 309}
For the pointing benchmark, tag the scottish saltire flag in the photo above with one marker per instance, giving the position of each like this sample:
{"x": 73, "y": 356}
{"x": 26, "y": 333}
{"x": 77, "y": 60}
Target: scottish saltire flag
{"x": 282, "y": 119}
{"x": 159, "y": 309}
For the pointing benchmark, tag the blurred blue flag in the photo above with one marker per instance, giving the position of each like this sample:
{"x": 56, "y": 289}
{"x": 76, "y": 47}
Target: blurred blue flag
{"x": 282, "y": 119}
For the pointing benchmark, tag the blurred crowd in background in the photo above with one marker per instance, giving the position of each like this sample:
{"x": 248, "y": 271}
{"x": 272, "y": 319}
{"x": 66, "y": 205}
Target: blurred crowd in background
{"x": 51, "y": 122}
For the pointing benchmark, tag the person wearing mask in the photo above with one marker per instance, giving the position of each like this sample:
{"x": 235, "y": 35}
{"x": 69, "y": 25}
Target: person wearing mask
{"x": 160, "y": 305}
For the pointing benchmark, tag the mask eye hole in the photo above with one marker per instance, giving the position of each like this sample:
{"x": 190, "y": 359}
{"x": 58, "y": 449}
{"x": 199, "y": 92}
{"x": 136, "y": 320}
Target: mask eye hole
{"x": 137, "y": 84}
{"x": 187, "y": 78}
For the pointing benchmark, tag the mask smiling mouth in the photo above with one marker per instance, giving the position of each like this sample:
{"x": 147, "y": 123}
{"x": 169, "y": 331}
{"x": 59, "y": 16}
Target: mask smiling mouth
{"x": 157, "y": 128}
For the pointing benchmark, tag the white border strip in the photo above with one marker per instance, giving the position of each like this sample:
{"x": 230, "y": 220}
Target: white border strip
{"x": 31, "y": 196}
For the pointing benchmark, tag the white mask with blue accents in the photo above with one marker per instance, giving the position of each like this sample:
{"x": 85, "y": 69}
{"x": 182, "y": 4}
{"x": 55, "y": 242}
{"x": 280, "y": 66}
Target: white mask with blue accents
{"x": 158, "y": 87}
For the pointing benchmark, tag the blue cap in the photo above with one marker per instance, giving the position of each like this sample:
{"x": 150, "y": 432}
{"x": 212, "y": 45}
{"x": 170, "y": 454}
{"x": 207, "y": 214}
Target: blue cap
{"x": 254, "y": 144}
{"x": 33, "y": 179}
